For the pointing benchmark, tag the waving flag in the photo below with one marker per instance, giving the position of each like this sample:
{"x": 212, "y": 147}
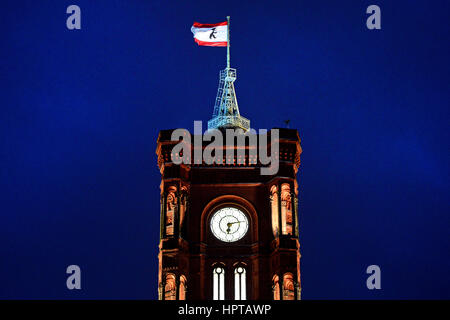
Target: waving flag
{"x": 212, "y": 35}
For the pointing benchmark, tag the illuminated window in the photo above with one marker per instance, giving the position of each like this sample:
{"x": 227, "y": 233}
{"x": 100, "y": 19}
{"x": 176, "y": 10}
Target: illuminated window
{"x": 274, "y": 204}
{"x": 286, "y": 209}
{"x": 171, "y": 206}
{"x": 276, "y": 288}
{"x": 288, "y": 287}
{"x": 182, "y": 288}
{"x": 239, "y": 284}
{"x": 170, "y": 287}
{"x": 219, "y": 283}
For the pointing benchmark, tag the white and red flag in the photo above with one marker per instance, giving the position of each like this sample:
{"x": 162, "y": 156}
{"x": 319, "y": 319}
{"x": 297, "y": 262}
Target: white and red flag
{"x": 212, "y": 35}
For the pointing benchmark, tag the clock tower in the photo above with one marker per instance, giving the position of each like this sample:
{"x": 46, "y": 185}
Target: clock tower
{"x": 227, "y": 231}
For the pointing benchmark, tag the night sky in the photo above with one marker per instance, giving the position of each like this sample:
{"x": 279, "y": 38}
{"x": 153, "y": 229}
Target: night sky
{"x": 80, "y": 112}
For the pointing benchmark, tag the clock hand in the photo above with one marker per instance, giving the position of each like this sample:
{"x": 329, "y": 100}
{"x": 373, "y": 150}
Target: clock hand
{"x": 230, "y": 223}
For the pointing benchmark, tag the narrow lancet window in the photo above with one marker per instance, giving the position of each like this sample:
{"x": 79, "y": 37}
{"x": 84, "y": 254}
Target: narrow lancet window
{"x": 274, "y": 206}
{"x": 239, "y": 284}
{"x": 286, "y": 209}
{"x": 276, "y": 288}
{"x": 288, "y": 287}
{"x": 219, "y": 283}
{"x": 182, "y": 288}
{"x": 170, "y": 288}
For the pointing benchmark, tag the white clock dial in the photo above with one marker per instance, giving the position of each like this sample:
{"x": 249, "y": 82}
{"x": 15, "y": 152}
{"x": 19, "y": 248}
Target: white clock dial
{"x": 229, "y": 224}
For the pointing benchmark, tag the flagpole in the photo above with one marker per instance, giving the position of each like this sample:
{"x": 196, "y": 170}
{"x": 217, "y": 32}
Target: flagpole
{"x": 228, "y": 42}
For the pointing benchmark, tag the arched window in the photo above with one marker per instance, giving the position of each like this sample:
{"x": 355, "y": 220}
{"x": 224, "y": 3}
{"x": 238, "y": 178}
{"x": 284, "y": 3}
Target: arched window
{"x": 240, "y": 288}
{"x": 274, "y": 204}
{"x": 219, "y": 283}
{"x": 170, "y": 288}
{"x": 286, "y": 209}
{"x": 288, "y": 287}
{"x": 171, "y": 206}
{"x": 276, "y": 288}
{"x": 182, "y": 288}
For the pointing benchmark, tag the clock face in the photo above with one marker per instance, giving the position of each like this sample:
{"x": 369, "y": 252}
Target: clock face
{"x": 229, "y": 224}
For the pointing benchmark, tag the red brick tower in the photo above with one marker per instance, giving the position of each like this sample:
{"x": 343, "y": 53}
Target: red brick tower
{"x": 203, "y": 254}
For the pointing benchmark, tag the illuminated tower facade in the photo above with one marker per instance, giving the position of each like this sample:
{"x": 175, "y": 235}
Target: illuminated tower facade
{"x": 226, "y": 230}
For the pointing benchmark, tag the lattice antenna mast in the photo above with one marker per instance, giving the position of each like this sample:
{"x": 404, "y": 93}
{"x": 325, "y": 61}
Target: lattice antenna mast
{"x": 226, "y": 111}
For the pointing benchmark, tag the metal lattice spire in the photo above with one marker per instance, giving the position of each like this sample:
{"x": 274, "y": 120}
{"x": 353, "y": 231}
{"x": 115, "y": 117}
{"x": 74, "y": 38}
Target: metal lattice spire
{"x": 226, "y": 111}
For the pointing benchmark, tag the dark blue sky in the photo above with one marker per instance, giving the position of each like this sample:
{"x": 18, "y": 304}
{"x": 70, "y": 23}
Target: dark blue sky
{"x": 80, "y": 112}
